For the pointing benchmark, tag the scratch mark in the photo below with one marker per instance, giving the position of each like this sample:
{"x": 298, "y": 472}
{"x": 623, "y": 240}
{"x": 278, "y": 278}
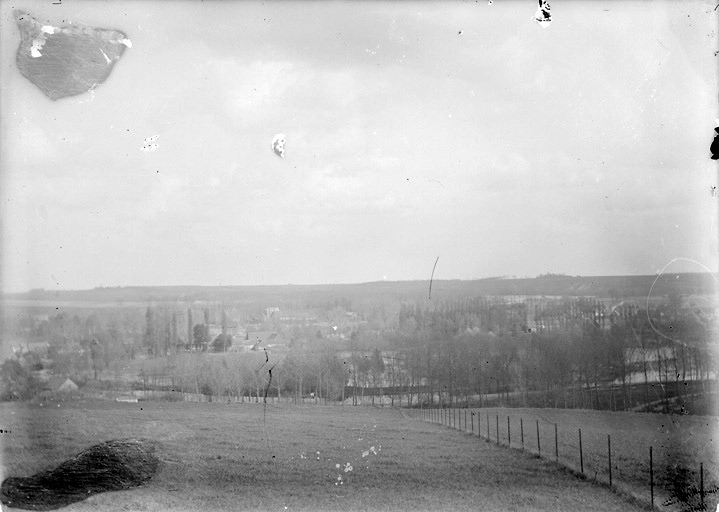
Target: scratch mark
{"x": 431, "y": 278}
{"x": 92, "y": 94}
{"x": 659, "y": 274}
{"x": 264, "y": 406}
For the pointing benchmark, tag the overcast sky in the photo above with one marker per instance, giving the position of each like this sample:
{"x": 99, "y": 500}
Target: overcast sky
{"x": 414, "y": 130}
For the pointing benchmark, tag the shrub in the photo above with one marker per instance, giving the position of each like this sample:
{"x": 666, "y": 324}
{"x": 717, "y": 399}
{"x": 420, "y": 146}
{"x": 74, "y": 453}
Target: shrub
{"x": 17, "y": 382}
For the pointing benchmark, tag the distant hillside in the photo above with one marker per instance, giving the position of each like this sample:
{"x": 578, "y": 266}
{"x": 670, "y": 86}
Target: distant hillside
{"x": 381, "y": 291}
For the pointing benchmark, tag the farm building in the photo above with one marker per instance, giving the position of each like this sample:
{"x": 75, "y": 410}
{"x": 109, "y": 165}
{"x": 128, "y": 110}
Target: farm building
{"x": 59, "y": 385}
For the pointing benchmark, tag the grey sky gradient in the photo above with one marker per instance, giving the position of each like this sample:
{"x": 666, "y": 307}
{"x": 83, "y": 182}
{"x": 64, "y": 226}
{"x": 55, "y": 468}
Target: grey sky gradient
{"x": 508, "y": 149}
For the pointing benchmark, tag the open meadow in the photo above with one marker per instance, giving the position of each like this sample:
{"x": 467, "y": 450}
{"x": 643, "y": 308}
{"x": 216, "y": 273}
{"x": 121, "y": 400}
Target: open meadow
{"x": 218, "y": 456}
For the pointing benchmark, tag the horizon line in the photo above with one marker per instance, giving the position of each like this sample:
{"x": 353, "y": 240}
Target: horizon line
{"x": 548, "y": 275}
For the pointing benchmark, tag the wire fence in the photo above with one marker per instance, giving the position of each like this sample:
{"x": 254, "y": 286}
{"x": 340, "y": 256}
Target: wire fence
{"x": 668, "y": 463}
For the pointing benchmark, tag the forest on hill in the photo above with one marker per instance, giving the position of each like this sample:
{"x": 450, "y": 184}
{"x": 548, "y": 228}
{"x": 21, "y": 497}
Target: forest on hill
{"x": 558, "y": 285}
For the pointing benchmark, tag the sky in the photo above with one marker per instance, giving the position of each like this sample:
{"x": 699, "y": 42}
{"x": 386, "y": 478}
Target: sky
{"x": 415, "y": 130}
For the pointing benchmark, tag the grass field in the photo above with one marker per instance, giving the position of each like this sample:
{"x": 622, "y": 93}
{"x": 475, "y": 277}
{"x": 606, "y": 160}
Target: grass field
{"x": 231, "y": 457}
{"x": 677, "y": 442}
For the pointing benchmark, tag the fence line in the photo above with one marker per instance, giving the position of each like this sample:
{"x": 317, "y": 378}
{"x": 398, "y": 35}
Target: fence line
{"x": 693, "y": 495}
{"x": 180, "y": 396}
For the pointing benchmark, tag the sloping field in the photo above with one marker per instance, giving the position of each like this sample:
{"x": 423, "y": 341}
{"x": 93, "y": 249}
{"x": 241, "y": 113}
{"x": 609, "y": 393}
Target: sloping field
{"x": 235, "y": 457}
{"x": 679, "y": 445}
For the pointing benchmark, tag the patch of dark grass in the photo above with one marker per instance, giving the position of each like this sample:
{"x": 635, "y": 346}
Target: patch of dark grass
{"x": 110, "y": 466}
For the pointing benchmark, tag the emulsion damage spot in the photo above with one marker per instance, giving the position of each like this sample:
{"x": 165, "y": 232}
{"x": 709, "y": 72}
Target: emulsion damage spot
{"x": 68, "y": 60}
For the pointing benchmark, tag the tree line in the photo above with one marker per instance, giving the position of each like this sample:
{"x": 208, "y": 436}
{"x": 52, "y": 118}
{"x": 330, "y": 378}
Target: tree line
{"x": 578, "y": 353}
{"x": 568, "y": 352}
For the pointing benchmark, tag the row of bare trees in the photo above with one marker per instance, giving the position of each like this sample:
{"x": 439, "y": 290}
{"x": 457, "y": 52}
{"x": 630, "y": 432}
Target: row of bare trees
{"x": 296, "y": 374}
{"x": 482, "y": 350}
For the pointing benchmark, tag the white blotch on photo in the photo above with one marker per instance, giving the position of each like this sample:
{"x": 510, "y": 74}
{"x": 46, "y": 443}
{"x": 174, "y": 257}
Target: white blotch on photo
{"x": 149, "y": 144}
{"x": 278, "y": 144}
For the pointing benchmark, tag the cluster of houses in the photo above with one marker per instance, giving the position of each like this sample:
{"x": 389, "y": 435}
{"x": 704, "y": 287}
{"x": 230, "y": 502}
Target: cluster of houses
{"x": 258, "y": 341}
{"x": 51, "y": 385}
{"x": 230, "y": 336}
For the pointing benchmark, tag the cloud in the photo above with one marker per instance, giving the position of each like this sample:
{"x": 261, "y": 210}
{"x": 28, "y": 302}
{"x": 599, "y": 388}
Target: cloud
{"x": 26, "y": 143}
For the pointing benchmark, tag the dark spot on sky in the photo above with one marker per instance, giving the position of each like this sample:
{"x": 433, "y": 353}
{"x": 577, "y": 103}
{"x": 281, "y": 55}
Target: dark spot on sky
{"x": 66, "y": 63}
{"x": 714, "y": 148}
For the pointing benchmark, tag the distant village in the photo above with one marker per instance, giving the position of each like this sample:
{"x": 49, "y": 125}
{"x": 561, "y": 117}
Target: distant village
{"x": 574, "y": 351}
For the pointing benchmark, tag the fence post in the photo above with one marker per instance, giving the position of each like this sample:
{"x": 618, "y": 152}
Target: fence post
{"x": 581, "y": 455}
{"x": 556, "y": 444}
{"x": 539, "y": 448}
{"x": 465, "y": 420}
{"x": 521, "y": 431}
{"x": 609, "y": 453}
{"x": 454, "y": 418}
{"x": 497, "y": 428}
{"x": 701, "y": 484}
{"x": 471, "y": 419}
{"x": 651, "y": 475}
{"x": 509, "y": 434}
{"x": 487, "y": 427}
